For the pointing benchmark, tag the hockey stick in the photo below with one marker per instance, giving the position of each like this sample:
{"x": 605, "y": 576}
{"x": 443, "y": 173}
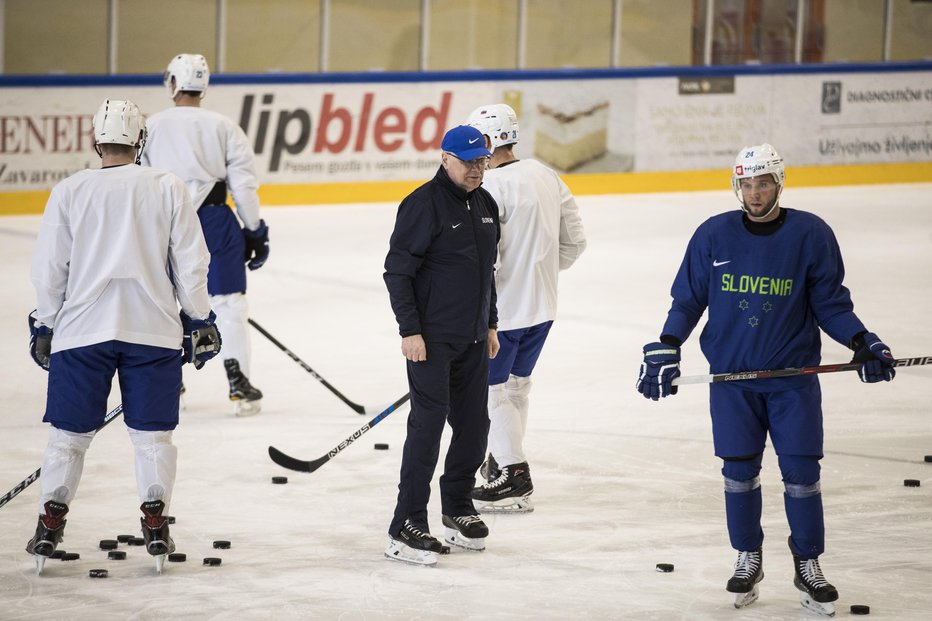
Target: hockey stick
{"x": 825, "y": 368}
{"x": 32, "y": 478}
{"x": 359, "y": 409}
{"x": 292, "y": 463}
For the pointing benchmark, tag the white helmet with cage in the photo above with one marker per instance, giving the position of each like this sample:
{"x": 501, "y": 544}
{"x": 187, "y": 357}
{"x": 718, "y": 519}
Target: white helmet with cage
{"x": 190, "y": 72}
{"x": 497, "y": 121}
{"x": 754, "y": 161}
{"x": 119, "y": 121}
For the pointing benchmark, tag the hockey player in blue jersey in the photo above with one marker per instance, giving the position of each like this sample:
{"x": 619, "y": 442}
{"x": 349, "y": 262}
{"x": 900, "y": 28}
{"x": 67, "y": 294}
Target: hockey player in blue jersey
{"x": 771, "y": 278}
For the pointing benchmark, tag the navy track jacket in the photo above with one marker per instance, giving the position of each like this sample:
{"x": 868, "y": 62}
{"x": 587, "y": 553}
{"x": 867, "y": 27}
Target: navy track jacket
{"x": 440, "y": 265}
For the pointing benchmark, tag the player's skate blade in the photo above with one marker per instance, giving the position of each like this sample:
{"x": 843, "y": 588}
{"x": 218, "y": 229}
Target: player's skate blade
{"x": 743, "y": 600}
{"x": 456, "y": 538}
{"x": 402, "y": 553}
{"x": 520, "y": 504}
{"x": 40, "y": 564}
{"x": 246, "y": 408}
{"x": 826, "y": 609}
{"x": 159, "y": 562}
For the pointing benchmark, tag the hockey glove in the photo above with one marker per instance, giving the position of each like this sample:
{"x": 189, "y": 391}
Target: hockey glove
{"x": 201, "y": 340}
{"x": 876, "y": 358}
{"x": 257, "y": 246}
{"x": 40, "y": 342}
{"x": 660, "y": 367}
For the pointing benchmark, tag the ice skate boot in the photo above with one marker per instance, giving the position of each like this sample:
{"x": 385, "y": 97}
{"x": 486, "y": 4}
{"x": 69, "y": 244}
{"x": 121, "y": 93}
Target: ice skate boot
{"x": 815, "y": 592}
{"x": 155, "y": 532}
{"x": 49, "y": 531}
{"x": 509, "y": 493}
{"x": 246, "y": 398}
{"x": 466, "y": 531}
{"x": 489, "y": 469}
{"x": 414, "y": 546}
{"x": 749, "y": 571}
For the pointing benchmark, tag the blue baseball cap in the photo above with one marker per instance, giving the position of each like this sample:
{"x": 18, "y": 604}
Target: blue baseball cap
{"x": 465, "y": 142}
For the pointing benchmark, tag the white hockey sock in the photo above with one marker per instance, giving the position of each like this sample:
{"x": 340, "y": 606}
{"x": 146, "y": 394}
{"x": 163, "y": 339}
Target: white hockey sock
{"x": 62, "y": 466}
{"x": 156, "y": 464}
{"x": 232, "y": 322}
{"x": 505, "y": 429}
{"x": 518, "y": 390}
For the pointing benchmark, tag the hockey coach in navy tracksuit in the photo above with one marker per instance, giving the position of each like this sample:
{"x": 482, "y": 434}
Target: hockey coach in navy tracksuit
{"x": 439, "y": 274}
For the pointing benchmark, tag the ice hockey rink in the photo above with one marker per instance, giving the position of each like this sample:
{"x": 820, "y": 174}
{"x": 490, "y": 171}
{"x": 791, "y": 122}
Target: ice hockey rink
{"x": 621, "y": 483}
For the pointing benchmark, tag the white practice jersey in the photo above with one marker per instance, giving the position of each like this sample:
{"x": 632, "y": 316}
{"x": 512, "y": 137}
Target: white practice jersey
{"x": 203, "y": 147}
{"x": 101, "y": 265}
{"x": 542, "y": 234}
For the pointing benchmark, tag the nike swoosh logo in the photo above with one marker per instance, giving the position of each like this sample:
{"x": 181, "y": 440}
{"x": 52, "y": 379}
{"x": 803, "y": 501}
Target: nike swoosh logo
{"x": 456, "y": 225}
{"x": 473, "y": 140}
{"x": 719, "y": 263}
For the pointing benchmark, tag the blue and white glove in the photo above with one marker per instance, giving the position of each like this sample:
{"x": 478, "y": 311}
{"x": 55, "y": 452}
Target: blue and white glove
{"x": 257, "y": 246}
{"x": 660, "y": 367}
{"x": 876, "y": 358}
{"x": 201, "y": 340}
{"x": 40, "y": 342}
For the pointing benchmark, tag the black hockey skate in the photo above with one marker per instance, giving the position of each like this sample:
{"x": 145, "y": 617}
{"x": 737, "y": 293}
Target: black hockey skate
{"x": 815, "y": 592}
{"x": 749, "y": 572}
{"x": 155, "y": 532}
{"x": 466, "y": 531}
{"x": 49, "y": 531}
{"x": 245, "y": 397}
{"x": 509, "y": 493}
{"x": 489, "y": 469}
{"x": 413, "y": 545}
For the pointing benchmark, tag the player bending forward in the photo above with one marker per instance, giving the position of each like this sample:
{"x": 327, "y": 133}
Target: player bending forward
{"x": 541, "y": 235}
{"x": 212, "y": 154}
{"x": 795, "y": 258}
{"x": 108, "y": 242}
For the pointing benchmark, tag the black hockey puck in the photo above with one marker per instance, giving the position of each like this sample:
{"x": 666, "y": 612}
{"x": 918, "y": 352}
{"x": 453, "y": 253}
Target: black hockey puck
{"x": 170, "y": 518}
{"x": 212, "y": 561}
{"x": 136, "y": 541}
{"x": 108, "y": 544}
{"x": 860, "y": 609}
{"x": 177, "y": 557}
{"x": 98, "y": 573}
{"x": 124, "y": 538}
{"x": 220, "y": 544}
{"x": 279, "y": 480}
{"x": 928, "y": 459}
{"x": 70, "y": 556}
{"x": 664, "y": 568}
{"x": 381, "y": 446}
{"x": 116, "y": 555}
{"x": 444, "y": 549}
{"x": 911, "y": 482}
{"x": 58, "y": 554}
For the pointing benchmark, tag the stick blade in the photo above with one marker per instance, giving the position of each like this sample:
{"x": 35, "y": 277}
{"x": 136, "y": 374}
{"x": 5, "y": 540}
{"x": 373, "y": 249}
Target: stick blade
{"x": 292, "y": 463}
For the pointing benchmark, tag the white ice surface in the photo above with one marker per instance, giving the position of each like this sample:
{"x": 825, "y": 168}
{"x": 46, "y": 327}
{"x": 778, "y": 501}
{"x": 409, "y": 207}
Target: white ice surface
{"x": 621, "y": 483}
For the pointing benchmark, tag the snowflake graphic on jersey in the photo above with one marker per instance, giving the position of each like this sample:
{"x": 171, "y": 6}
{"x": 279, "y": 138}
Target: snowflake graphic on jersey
{"x": 753, "y": 322}
{"x": 743, "y": 304}
{"x": 767, "y": 307}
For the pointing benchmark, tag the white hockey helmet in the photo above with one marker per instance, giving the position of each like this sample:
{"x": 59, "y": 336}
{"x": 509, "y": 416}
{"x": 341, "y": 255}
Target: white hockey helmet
{"x": 190, "y": 72}
{"x": 119, "y": 121}
{"x": 754, "y": 161}
{"x": 497, "y": 121}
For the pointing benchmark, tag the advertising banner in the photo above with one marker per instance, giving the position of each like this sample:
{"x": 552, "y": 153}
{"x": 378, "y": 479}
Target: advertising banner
{"x": 316, "y": 133}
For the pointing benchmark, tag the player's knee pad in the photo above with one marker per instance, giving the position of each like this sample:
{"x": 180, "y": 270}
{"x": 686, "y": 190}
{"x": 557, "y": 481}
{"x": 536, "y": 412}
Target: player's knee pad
{"x": 63, "y": 464}
{"x": 497, "y": 396}
{"x": 232, "y": 307}
{"x": 742, "y": 474}
{"x": 801, "y": 475}
{"x": 156, "y": 463}
{"x": 518, "y": 386}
